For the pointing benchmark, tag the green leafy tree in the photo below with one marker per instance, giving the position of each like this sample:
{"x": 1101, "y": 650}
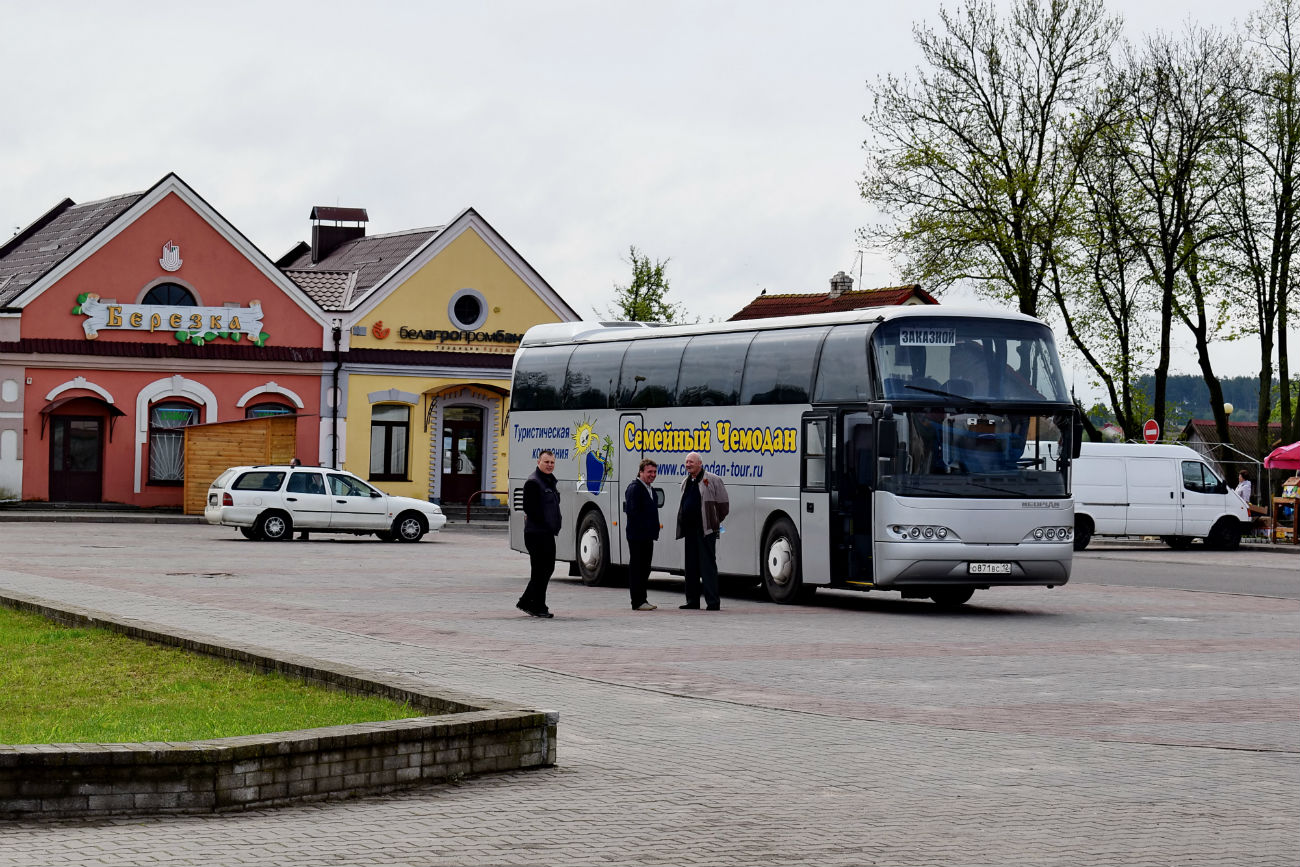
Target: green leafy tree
{"x": 645, "y": 298}
{"x": 975, "y": 155}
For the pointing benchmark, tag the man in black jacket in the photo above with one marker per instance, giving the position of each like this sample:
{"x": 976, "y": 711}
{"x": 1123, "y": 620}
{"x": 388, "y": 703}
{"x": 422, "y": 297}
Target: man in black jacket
{"x": 642, "y": 529}
{"x": 541, "y": 526}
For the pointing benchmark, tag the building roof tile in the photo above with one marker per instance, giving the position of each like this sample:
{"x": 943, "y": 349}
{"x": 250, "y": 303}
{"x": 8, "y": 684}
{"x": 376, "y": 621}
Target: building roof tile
{"x": 797, "y": 304}
{"x": 369, "y": 260}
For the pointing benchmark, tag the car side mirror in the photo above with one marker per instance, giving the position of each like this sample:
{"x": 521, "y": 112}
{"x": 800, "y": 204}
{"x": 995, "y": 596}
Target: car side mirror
{"x": 659, "y": 497}
{"x": 374, "y": 495}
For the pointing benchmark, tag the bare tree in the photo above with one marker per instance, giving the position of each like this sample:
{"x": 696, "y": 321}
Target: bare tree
{"x": 1181, "y": 108}
{"x": 973, "y": 155}
{"x": 1266, "y": 198}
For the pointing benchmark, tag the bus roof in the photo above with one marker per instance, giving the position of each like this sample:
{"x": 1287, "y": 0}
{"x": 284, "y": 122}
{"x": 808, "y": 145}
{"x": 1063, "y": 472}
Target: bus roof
{"x": 553, "y": 333}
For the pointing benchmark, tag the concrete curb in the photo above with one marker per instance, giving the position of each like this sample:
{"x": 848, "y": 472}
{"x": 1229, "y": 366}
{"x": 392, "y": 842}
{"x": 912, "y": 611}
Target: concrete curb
{"x": 468, "y": 735}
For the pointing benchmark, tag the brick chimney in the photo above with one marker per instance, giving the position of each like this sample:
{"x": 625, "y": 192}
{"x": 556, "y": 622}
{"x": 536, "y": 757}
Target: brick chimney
{"x": 326, "y": 239}
{"x": 840, "y": 284}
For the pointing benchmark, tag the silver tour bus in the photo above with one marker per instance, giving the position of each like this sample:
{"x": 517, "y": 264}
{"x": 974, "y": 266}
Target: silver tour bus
{"x": 917, "y": 449}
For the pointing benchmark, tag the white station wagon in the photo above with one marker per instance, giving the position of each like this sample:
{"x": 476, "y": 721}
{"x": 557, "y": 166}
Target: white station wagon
{"x": 269, "y": 503}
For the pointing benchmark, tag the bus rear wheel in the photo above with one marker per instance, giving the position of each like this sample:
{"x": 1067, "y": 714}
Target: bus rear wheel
{"x": 593, "y": 549}
{"x": 782, "y": 571}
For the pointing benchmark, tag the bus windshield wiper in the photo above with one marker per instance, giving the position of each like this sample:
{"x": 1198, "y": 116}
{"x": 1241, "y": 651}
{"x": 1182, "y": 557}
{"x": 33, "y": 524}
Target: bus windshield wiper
{"x": 941, "y": 393}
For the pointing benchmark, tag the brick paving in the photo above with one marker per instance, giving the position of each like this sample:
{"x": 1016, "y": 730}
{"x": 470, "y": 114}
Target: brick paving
{"x": 1085, "y": 725}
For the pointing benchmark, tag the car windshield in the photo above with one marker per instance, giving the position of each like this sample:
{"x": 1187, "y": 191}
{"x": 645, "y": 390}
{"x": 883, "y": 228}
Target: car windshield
{"x": 348, "y": 486}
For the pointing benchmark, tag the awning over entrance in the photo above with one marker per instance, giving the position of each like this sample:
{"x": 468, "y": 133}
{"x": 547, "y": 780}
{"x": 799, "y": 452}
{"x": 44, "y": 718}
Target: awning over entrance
{"x": 86, "y": 400}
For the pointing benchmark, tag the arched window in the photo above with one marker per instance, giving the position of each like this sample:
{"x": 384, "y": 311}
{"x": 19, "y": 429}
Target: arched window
{"x": 170, "y": 295}
{"x": 262, "y": 410}
{"x": 167, "y": 440}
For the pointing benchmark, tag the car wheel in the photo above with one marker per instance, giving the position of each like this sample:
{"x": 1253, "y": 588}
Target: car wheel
{"x": 952, "y": 597}
{"x": 385, "y": 536}
{"x": 1082, "y": 532}
{"x": 409, "y": 527}
{"x": 250, "y": 533}
{"x": 593, "y": 549}
{"x": 1225, "y": 536}
{"x": 782, "y": 571}
{"x": 274, "y": 527}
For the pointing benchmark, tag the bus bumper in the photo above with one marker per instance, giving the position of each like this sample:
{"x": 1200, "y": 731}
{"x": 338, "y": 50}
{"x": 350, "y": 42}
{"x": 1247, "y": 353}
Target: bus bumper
{"x": 902, "y": 564}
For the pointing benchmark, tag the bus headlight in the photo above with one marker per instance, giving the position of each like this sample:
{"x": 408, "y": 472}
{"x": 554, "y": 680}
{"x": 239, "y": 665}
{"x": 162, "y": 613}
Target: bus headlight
{"x": 1050, "y": 534}
{"x": 921, "y": 533}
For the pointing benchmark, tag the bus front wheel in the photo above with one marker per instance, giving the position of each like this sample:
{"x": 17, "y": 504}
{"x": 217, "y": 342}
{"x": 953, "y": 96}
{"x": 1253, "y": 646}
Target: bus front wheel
{"x": 782, "y": 574}
{"x": 593, "y": 549}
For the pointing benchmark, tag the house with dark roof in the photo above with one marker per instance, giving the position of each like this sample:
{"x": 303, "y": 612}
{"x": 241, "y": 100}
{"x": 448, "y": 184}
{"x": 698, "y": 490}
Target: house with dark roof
{"x": 842, "y": 296}
{"x": 127, "y": 321}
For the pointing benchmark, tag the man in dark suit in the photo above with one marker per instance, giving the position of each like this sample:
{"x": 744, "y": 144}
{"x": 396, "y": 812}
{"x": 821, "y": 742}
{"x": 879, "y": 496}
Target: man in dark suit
{"x": 642, "y": 528}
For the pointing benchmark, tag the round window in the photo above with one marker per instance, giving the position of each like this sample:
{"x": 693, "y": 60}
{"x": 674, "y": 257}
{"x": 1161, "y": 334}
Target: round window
{"x": 468, "y": 309}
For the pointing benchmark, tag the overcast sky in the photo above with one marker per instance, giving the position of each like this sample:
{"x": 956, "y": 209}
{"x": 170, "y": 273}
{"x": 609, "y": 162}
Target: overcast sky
{"x": 725, "y": 137}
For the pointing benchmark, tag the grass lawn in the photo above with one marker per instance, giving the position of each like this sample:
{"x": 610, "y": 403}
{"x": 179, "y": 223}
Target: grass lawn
{"x": 71, "y": 685}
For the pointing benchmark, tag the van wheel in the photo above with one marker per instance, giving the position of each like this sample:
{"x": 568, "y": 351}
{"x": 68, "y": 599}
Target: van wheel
{"x": 385, "y": 536}
{"x": 1225, "y": 536}
{"x": 274, "y": 527}
{"x": 782, "y": 571}
{"x": 952, "y": 597}
{"x": 1082, "y": 532}
{"x": 1178, "y": 543}
{"x": 593, "y": 549}
{"x": 250, "y": 533}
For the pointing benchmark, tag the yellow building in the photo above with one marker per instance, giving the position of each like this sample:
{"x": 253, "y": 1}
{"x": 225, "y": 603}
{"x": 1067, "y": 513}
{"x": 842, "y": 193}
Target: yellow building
{"x": 426, "y": 323}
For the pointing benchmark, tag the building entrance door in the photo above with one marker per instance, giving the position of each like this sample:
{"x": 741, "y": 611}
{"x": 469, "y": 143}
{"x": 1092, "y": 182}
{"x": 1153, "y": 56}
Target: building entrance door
{"x": 76, "y": 465}
{"x": 462, "y": 453}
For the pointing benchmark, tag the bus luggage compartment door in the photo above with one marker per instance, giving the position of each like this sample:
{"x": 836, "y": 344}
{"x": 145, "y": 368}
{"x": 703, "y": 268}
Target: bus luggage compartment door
{"x": 815, "y": 475}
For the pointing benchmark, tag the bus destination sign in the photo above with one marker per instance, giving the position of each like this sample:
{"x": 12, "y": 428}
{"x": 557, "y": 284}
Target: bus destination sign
{"x": 927, "y": 337}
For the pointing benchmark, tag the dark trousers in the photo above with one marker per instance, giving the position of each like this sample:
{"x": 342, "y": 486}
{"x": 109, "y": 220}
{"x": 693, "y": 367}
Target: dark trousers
{"x": 638, "y": 568}
{"x": 541, "y": 554}
{"x": 702, "y": 568}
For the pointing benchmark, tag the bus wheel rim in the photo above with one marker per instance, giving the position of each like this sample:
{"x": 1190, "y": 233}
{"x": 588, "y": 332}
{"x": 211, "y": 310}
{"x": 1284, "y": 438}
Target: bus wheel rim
{"x": 590, "y": 550}
{"x": 780, "y": 560}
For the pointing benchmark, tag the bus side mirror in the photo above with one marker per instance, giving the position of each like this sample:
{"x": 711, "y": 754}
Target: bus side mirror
{"x": 1076, "y": 435}
{"x": 659, "y": 497}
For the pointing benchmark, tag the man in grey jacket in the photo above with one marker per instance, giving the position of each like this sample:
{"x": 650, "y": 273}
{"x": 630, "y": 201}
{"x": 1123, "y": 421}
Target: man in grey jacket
{"x": 703, "y": 508}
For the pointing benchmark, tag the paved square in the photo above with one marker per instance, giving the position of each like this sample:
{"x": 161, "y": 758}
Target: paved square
{"x": 1085, "y": 725}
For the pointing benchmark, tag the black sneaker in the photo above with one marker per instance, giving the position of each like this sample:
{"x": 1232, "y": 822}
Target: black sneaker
{"x": 688, "y": 605}
{"x": 541, "y": 612}
{"x": 522, "y": 607}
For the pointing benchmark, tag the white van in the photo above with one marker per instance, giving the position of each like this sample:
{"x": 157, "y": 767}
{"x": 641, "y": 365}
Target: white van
{"x": 1122, "y": 489}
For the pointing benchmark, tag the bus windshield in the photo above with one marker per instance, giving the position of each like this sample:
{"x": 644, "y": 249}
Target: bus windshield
{"x": 946, "y": 453}
{"x": 962, "y": 360}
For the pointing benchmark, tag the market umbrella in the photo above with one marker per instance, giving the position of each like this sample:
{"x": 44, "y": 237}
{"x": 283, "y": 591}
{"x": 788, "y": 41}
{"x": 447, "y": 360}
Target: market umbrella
{"x": 1284, "y": 458}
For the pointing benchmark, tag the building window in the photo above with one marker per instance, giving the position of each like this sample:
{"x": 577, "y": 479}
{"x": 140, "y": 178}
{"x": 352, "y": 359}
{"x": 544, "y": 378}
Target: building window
{"x": 390, "y": 426}
{"x": 467, "y": 309}
{"x": 262, "y": 410}
{"x": 169, "y": 295}
{"x": 167, "y": 440}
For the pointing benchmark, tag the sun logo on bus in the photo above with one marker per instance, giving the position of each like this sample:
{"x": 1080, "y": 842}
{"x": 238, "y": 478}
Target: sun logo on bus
{"x": 596, "y": 467}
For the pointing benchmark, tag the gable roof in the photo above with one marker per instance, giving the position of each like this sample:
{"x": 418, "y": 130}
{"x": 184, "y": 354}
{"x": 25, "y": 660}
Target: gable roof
{"x": 1242, "y": 435}
{"x": 798, "y": 304}
{"x": 92, "y": 226}
{"x": 342, "y": 279}
{"x": 56, "y": 235}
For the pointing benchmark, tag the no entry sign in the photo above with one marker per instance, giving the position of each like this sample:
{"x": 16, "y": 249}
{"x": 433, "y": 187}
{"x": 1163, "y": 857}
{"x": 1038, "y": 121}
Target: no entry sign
{"x": 1151, "y": 431}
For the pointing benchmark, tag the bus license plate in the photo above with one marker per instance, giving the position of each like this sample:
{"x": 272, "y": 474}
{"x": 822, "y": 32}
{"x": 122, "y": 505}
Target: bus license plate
{"x": 988, "y": 568}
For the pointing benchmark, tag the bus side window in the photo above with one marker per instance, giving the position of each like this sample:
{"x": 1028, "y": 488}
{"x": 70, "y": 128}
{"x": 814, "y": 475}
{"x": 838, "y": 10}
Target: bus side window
{"x": 711, "y": 368}
{"x": 780, "y": 366}
{"x": 592, "y": 375}
{"x": 649, "y": 377}
{"x": 539, "y": 378}
{"x": 842, "y": 374}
